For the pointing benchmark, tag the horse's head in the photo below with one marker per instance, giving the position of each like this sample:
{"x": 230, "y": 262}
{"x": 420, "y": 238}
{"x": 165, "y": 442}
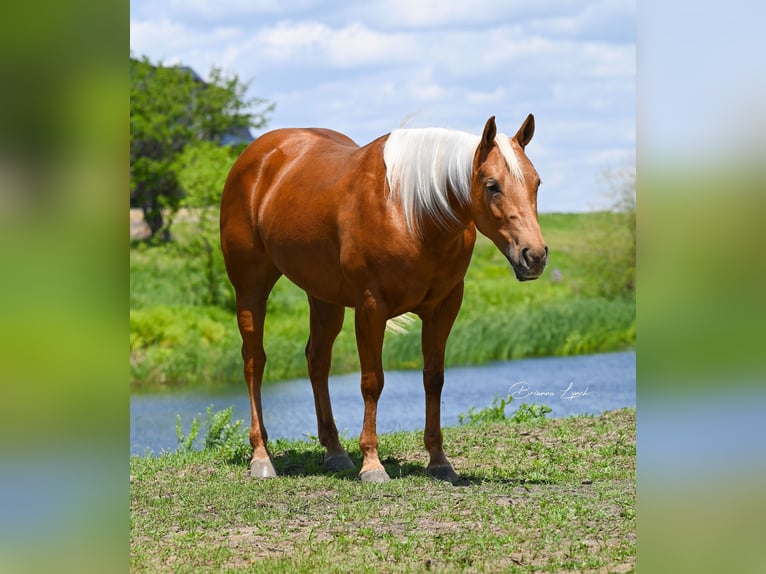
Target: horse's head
{"x": 504, "y": 194}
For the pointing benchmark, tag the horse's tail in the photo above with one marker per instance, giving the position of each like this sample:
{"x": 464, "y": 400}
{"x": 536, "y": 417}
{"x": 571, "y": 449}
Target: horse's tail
{"x": 401, "y": 324}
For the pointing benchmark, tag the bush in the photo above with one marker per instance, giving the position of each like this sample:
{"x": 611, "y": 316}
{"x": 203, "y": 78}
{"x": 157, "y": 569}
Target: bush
{"x": 171, "y": 345}
{"x": 526, "y": 413}
{"x": 225, "y": 437}
{"x": 544, "y": 329}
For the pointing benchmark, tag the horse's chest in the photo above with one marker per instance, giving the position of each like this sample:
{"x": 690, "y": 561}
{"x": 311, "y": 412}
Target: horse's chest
{"x": 426, "y": 282}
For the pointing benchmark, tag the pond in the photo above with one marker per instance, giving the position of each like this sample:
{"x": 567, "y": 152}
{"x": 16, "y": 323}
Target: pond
{"x": 588, "y": 384}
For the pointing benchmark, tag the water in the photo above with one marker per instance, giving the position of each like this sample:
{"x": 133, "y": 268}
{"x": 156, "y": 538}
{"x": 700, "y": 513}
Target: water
{"x": 587, "y": 384}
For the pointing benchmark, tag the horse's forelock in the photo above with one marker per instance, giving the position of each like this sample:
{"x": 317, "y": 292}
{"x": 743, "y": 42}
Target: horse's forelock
{"x": 511, "y": 160}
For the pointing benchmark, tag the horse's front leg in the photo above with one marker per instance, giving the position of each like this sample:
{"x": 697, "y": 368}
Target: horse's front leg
{"x": 370, "y": 324}
{"x": 436, "y": 328}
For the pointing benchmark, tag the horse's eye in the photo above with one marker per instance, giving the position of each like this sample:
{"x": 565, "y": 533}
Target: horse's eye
{"x": 492, "y": 187}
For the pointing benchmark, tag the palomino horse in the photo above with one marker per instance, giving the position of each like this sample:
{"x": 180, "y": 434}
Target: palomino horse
{"x": 387, "y": 228}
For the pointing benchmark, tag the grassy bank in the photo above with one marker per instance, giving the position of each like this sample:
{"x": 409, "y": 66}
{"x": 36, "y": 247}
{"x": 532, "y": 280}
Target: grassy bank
{"x": 539, "y": 496}
{"x": 577, "y": 306}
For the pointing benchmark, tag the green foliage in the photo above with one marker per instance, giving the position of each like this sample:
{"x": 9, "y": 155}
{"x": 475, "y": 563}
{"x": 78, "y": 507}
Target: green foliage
{"x": 222, "y": 432}
{"x": 492, "y": 414}
{"x": 202, "y": 169}
{"x": 166, "y": 275}
{"x": 526, "y": 413}
{"x": 183, "y": 345}
{"x": 226, "y": 438}
{"x": 577, "y": 326}
{"x": 186, "y": 443}
{"x": 170, "y": 109}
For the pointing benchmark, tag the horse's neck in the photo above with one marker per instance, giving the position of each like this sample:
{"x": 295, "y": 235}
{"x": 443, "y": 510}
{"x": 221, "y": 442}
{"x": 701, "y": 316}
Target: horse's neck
{"x": 432, "y": 231}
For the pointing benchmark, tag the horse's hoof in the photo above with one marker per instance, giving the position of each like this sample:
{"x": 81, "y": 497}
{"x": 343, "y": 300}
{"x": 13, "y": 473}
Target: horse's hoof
{"x": 262, "y": 468}
{"x": 374, "y": 475}
{"x": 442, "y": 472}
{"x": 337, "y": 463}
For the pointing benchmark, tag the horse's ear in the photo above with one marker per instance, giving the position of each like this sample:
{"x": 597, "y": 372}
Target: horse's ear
{"x": 487, "y": 139}
{"x": 526, "y": 131}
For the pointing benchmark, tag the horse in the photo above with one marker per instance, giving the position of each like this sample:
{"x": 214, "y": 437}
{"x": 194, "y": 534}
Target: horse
{"x": 386, "y": 229}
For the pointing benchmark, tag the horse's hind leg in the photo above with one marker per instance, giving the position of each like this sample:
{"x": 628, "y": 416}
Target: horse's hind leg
{"x": 326, "y": 323}
{"x": 253, "y": 281}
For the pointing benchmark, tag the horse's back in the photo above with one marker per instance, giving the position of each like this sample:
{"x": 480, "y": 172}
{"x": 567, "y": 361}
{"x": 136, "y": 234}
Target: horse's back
{"x": 290, "y": 144}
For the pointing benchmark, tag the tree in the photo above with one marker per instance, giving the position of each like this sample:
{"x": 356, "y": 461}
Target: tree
{"x": 171, "y": 108}
{"x": 202, "y": 169}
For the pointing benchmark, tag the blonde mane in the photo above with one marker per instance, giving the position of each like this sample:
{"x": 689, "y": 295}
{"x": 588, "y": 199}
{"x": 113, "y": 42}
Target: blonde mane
{"x": 424, "y": 165}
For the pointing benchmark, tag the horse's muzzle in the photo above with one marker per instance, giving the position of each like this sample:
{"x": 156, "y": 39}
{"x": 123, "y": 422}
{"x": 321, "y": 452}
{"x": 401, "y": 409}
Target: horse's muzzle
{"x": 530, "y": 262}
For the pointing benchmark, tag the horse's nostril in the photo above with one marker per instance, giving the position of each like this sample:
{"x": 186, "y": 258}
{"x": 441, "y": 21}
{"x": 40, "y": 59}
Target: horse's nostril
{"x": 530, "y": 258}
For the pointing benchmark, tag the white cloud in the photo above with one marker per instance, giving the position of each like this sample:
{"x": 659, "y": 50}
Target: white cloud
{"x": 147, "y": 37}
{"x": 429, "y": 13}
{"x": 286, "y": 40}
{"x": 425, "y": 14}
{"x": 353, "y": 45}
{"x": 170, "y": 42}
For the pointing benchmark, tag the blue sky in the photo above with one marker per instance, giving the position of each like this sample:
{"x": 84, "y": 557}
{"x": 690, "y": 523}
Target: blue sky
{"x": 363, "y": 68}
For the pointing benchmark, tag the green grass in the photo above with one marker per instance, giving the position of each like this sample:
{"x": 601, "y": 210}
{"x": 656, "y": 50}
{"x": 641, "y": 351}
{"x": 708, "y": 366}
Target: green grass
{"x": 541, "y": 496}
{"x": 572, "y": 309}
